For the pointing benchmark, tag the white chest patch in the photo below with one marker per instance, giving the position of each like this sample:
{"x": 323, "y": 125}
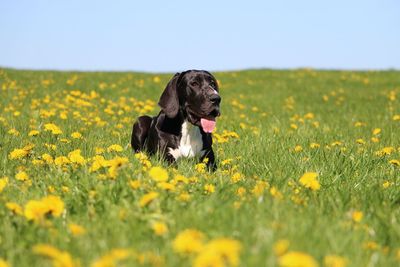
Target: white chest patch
{"x": 191, "y": 143}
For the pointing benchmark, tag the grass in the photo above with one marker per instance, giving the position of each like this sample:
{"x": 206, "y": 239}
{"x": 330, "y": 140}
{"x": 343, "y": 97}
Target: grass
{"x": 270, "y": 119}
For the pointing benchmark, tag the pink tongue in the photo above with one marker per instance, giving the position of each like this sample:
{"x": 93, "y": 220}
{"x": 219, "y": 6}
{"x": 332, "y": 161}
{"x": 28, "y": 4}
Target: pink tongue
{"x": 207, "y": 125}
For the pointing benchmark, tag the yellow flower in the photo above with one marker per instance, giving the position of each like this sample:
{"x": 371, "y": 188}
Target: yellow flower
{"x": 14, "y": 208}
{"x": 58, "y": 257}
{"x": 200, "y": 167}
{"x": 166, "y": 186}
{"x": 13, "y": 132}
{"x": 209, "y": 188}
{"x": 47, "y": 158}
{"x": 297, "y": 259}
{"x": 236, "y": 177}
{"x": 357, "y": 216}
{"x": 134, "y": 184}
{"x": 184, "y": 197}
{"x": 114, "y": 165}
{"x": 276, "y": 193}
{"x": 376, "y": 131}
{"x": 298, "y": 148}
{"x": 281, "y": 247}
{"x": 188, "y": 241}
{"x": 219, "y": 252}
{"x": 309, "y": 180}
{"x": 259, "y": 188}
{"x": 395, "y": 162}
{"x": 35, "y": 210}
{"x": 159, "y": 228}
{"x": 158, "y": 174}
{"x": 3, "y": 263}
{"x": 314, "y": 145}
{"x": 386, "y": 184}
{"x": 33, "y": 133}
{"x": 76, "y": 229}
{"x": 360, "y": 141}
{"x": 3, "y": 183}
{"x": 116, "y": 148}
{"x": 396, "y": 118}
{"x": 147, "y": 198}
{"x": 335, "y": 261}
{"x": 76, "y": 157}
{"x": 18, "y": 153}
{"x": 22, "y": 176}
{"x": 52, "y": 128}
{"x": 62, "y": 160}
{"x": 54, "y": 205}
{"x": 76, "y": 135}
{"x": 111, "y": 258}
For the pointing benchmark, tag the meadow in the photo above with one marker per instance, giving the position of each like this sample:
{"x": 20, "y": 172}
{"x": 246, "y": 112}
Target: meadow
{"x": 308, "y": 173}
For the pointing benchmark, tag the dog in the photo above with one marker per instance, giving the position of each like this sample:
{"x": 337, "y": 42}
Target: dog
{"x": 189, "y": 106}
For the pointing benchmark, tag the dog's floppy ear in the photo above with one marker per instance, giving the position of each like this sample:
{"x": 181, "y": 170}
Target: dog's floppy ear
{"x": 169, "y": 101}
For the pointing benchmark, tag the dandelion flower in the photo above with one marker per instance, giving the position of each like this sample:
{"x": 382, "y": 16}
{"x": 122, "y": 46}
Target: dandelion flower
{"x": 158, "y": 174}
{"x": 159, "y": 228}
{"x": 309, "y": 180}
{"x": 297, "y": 259}
{"x": 188, "y": 241}
{"x": 147, "y": 198}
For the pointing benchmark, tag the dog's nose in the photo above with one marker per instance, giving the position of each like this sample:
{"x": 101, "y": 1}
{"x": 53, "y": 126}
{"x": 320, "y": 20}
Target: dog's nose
{"x": 215, "y": 99}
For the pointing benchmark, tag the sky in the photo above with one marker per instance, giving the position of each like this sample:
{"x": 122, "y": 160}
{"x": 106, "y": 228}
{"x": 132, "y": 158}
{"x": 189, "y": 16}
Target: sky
{"x": 169, "y": 36}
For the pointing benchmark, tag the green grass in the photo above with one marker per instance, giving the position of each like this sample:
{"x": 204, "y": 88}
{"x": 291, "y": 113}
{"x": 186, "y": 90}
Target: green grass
{"x": 267, "y": 109}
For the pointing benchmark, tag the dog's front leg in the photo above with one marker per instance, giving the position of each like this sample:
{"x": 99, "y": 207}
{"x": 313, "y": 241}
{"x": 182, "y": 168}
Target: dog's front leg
{"x": 209, "y": 158}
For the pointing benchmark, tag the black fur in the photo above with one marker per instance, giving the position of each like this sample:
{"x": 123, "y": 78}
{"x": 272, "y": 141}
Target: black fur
{"x": 189, "y": 96}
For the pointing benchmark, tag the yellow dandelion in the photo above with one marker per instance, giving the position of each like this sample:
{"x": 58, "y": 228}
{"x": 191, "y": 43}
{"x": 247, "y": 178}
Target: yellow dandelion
{"x": 115, "y": 148}
{"x": 3, "y": 263}
{"x": 33, "y": 133}
{"x": 188, "y": 241}
{"x": 35, "y": 210}
{"x": 76, "y": 157}
{"x": 335, "y": 261}
{"x": 134, "y": 184}
{"x": 395, "y": 162}
{"x": 309, "y": 180}
{"x": 297, "y": 259}
{"x": 158, "y": 174}
{"x": 209, "y": 188}
{"x": 58, "y": 257}
{"x": 3, "y": 183}
{"x": 224, "y": 251}
{"x": 22, "y": 176}
{"x": 76, "y": 135}
{"x": 18, "y": 153}
{"x": 159, "y": 228}
{"x": 76, "y": 230}
{"x": 376, "y": 131}
{"x": 61, "y": 161}
{"x": 54, "y": 129}
{"x": 281, "y": 247}
{"x": 357, "y": 216}
{"x": 14, "y": 208}
{"x": 148, "y": 198}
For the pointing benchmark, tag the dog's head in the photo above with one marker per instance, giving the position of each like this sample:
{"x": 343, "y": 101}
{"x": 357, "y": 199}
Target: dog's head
{"x": 195, "y": 94}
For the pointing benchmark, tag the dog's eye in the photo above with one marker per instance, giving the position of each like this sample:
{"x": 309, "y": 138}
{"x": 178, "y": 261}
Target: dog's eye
{"x": 194, "y": 84}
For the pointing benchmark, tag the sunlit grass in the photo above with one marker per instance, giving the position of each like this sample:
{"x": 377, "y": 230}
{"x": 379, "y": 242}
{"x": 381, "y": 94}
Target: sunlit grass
{"x": 308, "y": 172}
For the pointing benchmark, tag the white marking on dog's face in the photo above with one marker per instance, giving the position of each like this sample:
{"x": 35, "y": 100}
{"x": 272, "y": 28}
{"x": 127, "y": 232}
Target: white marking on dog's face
{"x": 191, "y": 143}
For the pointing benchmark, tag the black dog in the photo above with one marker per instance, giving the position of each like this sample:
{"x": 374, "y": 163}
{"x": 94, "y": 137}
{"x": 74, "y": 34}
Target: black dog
{"x": 189, "y": 106}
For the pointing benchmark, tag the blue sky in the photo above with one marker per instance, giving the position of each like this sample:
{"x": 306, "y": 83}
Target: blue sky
{"x": 168, "y": 36}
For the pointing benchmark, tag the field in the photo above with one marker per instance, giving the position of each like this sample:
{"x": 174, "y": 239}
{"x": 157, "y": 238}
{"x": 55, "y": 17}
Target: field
{"x": 308, "y": 173}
